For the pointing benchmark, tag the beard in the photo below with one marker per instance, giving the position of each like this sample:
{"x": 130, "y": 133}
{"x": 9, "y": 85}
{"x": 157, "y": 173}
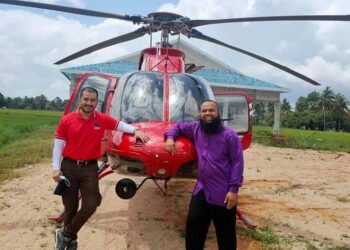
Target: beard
{"x": 87, "y": 109}
{"x": 213, "y": 127}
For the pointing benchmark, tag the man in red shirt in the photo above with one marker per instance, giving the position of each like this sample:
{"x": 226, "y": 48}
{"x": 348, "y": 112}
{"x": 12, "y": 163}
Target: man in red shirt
{"x": 78, "y": 139}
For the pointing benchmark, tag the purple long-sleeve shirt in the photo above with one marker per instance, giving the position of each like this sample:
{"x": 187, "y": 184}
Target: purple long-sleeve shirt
{"x": 220, "y": 160}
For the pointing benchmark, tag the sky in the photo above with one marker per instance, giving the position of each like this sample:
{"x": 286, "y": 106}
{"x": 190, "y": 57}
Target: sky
{"x": 32, "y": 40}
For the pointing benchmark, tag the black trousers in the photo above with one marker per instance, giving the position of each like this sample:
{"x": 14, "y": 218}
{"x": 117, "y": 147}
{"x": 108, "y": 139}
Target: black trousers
{"x": 200, "y": 214}
{"x": 85, "y": 179}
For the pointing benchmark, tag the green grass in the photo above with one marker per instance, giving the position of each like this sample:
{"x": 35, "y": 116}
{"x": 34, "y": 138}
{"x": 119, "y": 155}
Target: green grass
{"x": 270, "y": 240}
{"x": 26, "y": 137}
{"x": 266, "y": 236}
{"x": 303, "y": 139}
{"x": 16, "y": 124}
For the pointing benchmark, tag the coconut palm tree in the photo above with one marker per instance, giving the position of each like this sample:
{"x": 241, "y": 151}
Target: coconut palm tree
{"x": 340, "y": 108}
{"x": 301, "y": 104}
{"x": 325, "y": 102}
{"x": 285, "y": 107}
{"x": 313, "y": 100}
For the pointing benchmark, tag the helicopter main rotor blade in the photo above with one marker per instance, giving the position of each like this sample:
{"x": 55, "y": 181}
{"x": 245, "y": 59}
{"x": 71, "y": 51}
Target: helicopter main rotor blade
{"x": 196, "y": 23}
{"x": 119, "y": 39}
{"x": 69, "y": 10}
{"x": 199, "y": 35}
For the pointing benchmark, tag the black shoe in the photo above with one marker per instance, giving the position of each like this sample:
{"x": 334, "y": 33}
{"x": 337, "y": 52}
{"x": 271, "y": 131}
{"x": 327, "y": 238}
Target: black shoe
{"x": 60, "y": 242}
{"x": 72, "y": 244}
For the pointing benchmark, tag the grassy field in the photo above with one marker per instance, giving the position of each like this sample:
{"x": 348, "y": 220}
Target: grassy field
{"x": 26, "y": 137}
{"x": 16, "y": 124}
{"x": 304, "y": 139}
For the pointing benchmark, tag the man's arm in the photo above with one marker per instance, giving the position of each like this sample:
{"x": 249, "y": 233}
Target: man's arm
{"x": 180, "y": 128}
{"x": 237, "y": 165}
{"x": 127, "y": 128}
{"x": 56, "y": 158}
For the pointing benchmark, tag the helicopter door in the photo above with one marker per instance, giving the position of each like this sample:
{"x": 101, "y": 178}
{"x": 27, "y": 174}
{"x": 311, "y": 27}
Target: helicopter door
{"x": 235, "y": 110}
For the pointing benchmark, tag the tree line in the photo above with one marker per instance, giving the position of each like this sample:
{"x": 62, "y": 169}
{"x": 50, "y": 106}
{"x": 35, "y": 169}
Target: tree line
{"x": 317, "y": 111}
{"x": 37, "y": 103}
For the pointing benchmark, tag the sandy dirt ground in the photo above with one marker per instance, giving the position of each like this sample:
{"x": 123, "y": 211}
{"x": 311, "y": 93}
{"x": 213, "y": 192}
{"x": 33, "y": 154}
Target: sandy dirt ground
{"x": 303, "y": 195}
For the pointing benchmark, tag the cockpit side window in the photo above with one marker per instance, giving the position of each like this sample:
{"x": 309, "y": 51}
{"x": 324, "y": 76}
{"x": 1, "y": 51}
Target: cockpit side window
{"x": 234, "y": 111}
{"x": 185, "y": 98}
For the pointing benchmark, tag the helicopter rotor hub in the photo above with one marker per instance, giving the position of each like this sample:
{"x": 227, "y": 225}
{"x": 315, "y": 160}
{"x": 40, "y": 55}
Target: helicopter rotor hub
{"x": 171, "y": 23}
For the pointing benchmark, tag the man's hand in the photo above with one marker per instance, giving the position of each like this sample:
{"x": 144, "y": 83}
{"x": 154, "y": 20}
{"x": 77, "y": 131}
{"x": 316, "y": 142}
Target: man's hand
{"x": 142, "y": 136}
{"x": 56, "y": 175}
{"x": 231, "y": 200}
{"x": 170, "y": 146}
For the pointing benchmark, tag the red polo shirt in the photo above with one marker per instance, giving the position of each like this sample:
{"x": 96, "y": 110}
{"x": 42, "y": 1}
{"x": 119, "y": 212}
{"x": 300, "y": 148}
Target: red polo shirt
{"x": 83, "y": 137}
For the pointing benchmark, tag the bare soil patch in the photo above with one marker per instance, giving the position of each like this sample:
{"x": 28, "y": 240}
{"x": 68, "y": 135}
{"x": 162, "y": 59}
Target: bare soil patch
{"x": 301, "y": 194}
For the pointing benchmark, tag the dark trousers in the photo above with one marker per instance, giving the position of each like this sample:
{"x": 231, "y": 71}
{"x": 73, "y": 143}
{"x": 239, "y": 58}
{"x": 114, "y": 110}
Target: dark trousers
{"x": 200, "y": 214}
{"x": 85, "y": 179}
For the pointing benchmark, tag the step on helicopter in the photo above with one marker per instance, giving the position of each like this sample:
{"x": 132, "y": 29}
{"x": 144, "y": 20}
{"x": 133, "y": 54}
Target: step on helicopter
{"x": 160, "y": 93}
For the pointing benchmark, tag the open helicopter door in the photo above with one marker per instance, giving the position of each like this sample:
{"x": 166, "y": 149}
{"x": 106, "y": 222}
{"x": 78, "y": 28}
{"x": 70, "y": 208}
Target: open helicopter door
{"x": 105, "y": 86}
{"x": 236, "y": 111}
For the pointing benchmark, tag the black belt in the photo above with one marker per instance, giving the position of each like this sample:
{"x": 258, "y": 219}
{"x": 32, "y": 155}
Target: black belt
{"x": 80, "y": 162}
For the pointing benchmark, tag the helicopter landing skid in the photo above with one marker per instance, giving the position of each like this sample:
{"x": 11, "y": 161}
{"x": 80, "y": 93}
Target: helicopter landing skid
{"x": 163, "y": 191}
{"x": 126, "y": 188}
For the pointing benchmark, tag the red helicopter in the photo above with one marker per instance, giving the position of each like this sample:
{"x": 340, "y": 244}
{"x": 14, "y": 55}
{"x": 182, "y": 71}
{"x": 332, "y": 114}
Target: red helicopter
{"x": 161, "y": 93}
{"x": 138, "y": 98}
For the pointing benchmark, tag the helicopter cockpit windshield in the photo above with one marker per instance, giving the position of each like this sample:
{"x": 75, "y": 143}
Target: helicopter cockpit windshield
{"x": 185, "y": 97}
{"x": 142, "y": 98}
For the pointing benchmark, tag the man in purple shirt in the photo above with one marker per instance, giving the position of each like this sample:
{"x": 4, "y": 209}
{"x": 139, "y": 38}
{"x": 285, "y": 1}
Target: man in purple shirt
{"x": 220, "y": 174}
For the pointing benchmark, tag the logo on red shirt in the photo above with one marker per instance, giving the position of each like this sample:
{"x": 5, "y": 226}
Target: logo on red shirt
{"x": 97, "y": 126}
